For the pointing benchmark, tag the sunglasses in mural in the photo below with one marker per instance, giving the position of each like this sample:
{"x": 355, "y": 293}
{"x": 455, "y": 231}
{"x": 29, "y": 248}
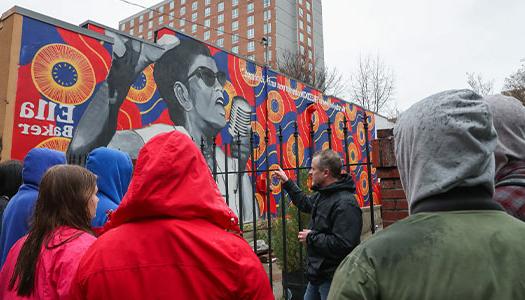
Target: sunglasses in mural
{"x": 208, "y": 76}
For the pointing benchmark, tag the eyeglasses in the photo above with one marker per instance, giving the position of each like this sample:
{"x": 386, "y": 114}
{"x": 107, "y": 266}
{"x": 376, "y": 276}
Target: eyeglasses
{"x": 208, "y": 76}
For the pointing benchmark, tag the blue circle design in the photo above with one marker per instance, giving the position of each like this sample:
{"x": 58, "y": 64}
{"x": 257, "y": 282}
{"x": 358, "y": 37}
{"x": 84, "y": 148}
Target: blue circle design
{"x": 64, "y": 74}
{"x": 275, "y": 105}
{"x": 140, "y": 82}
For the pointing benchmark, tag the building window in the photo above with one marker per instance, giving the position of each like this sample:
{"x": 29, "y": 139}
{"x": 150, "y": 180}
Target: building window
{"x": 182, "y": 2}
{"x": 207, "y": 11}
{"x": 307, "y": 5}
{"x": 150, "y": 35}
{"x": 141, "y": 18}
{"x": 182, "y": 22}
{"x": 206, "y": 35}
{"x": 310, "y": 54}
{"x": 235, "y": 39}
{"x": 267, "y": 15}
{"x": 235, "y": 2}
{"x": 235, "y": 25}
{"x": 172, "y": 5}
{"x": 150, "y": 24}
{"x": 172, "y": 24}
{"x": 194, "y": 5}
{"x": 250, "y": 33}
{"x": 207, "y": 23}
{"x": 194, "y": 16}
{"x": 266, "y": 3}
{"x": 151, "y": 14}
{"x": 269, "y": 56}
{"x": 301, "y": 24}
{"x": 161, "y": 19}
{"x": 250, "y": 46}
{"x": 310, "y": 42}
{"x": 235, "y": 49}
{"x": 220, "y": 30}
{"x": 251, "y": 57}
{"x": 308, "y": 28}
{"x": 269, "y": 40}
{"x": 171, "y": 17}
{"x": 301, "y": 37}
{"x": 300, "y": 1}
{"x": 131, "y": 31}
{"x": 161, "y": 9}
{"x": 301, "y": 13}
{"x": 250, "y": 20}
{"x": 140, "y": 28}
{"x": 267, "y": 28}
{"x": 122, "y": 26}
{"x": 308, "y": 18}
{"x": 193, "y": 28}
{"x": 220, "y": 6}
{"x": 302, "y": 49}
{"x": 220, "y": 42}
{"x": 183, "y": 10}
{"x": 235, "y": 13}
{"x": 250, "y": 8}
{"x": 207, "y": 2}
{"x": 131, "y": 23}
{"x": 220, "y": 19}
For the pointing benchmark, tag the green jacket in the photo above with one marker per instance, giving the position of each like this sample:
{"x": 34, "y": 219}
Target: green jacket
{"x": 447, "y": 255}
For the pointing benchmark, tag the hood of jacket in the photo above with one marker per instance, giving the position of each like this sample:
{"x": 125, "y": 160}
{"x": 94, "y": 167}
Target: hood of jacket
{"x": 443, "y": 144}
{"x": 345, "y": 183}
{"x": 172, "y": 180}
{"x": 113, "y": 169}
{"x": 36, "y": 163}
{"x": 509, "y": 120}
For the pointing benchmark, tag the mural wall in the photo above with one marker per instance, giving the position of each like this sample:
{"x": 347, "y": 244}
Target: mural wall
{"x": 76, "y": 93}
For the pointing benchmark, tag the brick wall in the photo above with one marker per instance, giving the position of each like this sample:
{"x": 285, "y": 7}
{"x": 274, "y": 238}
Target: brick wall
{"x": 393, "y": 199}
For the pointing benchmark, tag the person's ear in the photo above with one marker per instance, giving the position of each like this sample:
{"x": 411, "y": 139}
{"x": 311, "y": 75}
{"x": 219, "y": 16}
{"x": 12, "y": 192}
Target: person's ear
{"x": 182, "y": 95}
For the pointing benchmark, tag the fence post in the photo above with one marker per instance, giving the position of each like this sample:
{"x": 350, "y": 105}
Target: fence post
{"x": 214, "y": 153}
{"x": 297, "y": 171}
{"x": 345, "y": 133}
{"x": 329, "y": 131}
{"x": 369, "y": 173}
{"x": 239, "y": 182}
{"x": 226, "y": 174}
{"x": 268, "y": 210}
{"x": 283, "y": 220}
{"x": 254, "y": 198}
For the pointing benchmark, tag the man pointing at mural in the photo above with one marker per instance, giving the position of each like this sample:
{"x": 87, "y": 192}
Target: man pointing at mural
{"x": 336, "y": 222}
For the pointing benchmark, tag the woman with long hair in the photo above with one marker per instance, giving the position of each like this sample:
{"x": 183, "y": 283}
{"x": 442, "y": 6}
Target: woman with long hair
{"x": 41, "y": 265}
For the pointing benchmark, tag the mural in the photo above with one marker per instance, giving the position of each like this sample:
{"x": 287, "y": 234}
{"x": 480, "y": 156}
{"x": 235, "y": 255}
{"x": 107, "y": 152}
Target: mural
{"x": 76, "y": 93}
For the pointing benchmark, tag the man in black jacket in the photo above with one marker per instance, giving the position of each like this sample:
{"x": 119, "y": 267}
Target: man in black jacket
{"x": 336, "y": 223}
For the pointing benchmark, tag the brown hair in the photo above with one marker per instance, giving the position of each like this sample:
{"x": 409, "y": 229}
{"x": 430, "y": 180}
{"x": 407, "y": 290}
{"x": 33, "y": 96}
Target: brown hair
{"x": 329, "y": 159}
{"x": 63, "y": 199}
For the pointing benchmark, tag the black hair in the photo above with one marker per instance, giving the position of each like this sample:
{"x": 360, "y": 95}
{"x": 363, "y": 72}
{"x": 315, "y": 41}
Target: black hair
{"x": 173, "y": 66}
{"x": 10, "y": 177}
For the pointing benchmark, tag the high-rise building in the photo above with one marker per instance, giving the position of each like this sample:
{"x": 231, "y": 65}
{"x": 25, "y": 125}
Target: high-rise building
{"x": 239, "y": 26}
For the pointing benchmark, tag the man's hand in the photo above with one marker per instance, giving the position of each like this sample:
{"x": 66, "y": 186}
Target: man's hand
{"x": 279, "y": 173}
{"x": 303, "y": 234}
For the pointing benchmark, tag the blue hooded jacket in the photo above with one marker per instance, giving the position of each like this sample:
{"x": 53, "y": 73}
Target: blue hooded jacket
{"x": 17, "y": 214}
{"x": 113, "y": 169}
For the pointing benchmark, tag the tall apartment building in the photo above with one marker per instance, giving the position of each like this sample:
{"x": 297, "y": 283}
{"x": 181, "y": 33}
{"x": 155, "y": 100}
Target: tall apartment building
{"x": 239, "y": 26}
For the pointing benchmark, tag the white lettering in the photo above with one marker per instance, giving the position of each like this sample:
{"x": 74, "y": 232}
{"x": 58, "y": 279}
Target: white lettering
{"x": 25, "y": 128}
{"x": 27, "y": 110}
{"x": 66, "y": 112}
{"x": 41, "y": 110}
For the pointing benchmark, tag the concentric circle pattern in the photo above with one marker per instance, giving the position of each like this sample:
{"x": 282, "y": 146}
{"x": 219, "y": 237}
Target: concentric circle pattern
{"x": 142, "y": 90}
{"x": 253, "y": 79}
{"x": 275, "y": 107}
{"x": 63, "y": 74}
{"x": 55, "y": 143}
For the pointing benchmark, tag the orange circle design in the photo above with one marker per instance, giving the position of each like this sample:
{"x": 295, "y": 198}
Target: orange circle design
{"x": 290, "y": 150}
{"x": 339, "y": 124}
{"x": 315, "y": 120}
{"x": 351, "y": 111}
{"x": 260, "y": 202}
{"x": 275, "y": 185}
{"x": 54, "y": 60}
{"x": 146, "y": 88}
{"x": 55, "y": 143}
{"x": 325, "y": 146}
{"x": 371, "y": 120}
{"x": 259, "y": 130}
{"x": 275, "y": 115}
{"x": 353, "y": 155}
{"x": 363, "y": 181}
{"x": 298, "y": 87}
{"x": 361, "y": 133}
{"x": 229, "y": 89}
{"x": 252, "y": 79}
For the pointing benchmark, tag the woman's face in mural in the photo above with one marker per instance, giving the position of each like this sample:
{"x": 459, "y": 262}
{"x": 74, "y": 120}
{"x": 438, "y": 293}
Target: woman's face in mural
{"x": 205, "y": 86}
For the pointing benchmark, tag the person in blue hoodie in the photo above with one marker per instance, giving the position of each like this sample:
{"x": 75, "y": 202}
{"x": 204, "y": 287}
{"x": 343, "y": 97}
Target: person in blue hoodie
{"x": 113, "y": 169}
{"x": 17, "y": 214}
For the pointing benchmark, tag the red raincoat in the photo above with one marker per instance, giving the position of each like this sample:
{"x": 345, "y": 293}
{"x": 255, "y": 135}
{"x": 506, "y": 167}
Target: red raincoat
{"x": 169, "y": 237}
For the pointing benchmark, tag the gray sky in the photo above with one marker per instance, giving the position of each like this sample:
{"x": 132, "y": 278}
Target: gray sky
{"x": 429, "y": 44}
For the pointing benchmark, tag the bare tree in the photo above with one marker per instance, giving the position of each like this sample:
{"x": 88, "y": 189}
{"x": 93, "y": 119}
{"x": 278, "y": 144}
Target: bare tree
{"x": 372, "y": 84}
{"x": 515, "y": 84}
{"x": 328, "y": 81}
{"x": 479, "y": 85}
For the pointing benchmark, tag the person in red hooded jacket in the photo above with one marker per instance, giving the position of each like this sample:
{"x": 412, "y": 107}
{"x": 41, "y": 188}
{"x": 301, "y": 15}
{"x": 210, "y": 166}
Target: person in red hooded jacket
{"x": 172, "y": 237}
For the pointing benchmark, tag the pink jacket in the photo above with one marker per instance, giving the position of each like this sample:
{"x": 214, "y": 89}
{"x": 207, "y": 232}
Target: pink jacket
{"x": 55, "y": 268}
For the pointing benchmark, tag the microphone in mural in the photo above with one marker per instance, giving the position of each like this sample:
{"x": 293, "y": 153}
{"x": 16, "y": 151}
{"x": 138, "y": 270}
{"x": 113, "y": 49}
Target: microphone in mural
{"x": 239, "y": 126}
{"x": 240, "y": 117}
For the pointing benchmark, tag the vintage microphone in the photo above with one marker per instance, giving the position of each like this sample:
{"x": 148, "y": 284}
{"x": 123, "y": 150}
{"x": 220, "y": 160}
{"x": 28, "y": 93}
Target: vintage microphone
{"x": 240, "y": 119}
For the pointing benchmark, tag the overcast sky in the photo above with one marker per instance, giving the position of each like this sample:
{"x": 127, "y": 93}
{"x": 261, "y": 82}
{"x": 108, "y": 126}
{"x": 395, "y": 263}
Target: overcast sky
{"x": 429, "y": 44}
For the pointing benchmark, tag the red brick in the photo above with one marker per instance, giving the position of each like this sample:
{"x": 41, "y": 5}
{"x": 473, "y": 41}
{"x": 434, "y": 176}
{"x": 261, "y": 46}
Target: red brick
{"x": 402, "y": 204}
{"x": 388, "y": 204}
{"x": 391, "y": 183}
{"x": 387, "y": 173}
{"x": 384, "y": 133}
{"x": 393, "y": 194}
{"x": 394, "y": 215}
{"x": 375, "y": 153}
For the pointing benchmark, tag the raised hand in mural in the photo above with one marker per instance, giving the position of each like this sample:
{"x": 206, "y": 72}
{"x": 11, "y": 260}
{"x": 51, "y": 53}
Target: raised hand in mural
{"x": 99, "y": 122}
